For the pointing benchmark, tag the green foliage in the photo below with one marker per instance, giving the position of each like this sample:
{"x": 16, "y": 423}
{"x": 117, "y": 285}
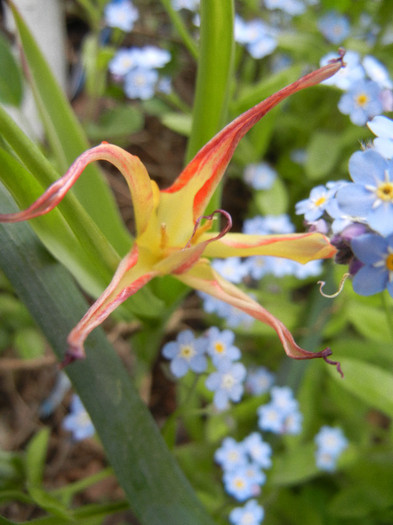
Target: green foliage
{"x": 11, "y": 84}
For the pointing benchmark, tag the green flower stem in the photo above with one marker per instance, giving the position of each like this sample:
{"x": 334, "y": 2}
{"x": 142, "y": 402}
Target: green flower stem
{"x": 155, "y": 487}
{"x": 214, "y": 77}
{"x": 214, "y": 72}
{"x": 181, "y": 28}
{"x": 386, "y": 299}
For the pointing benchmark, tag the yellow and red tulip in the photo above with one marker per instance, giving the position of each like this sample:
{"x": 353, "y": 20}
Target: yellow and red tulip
{"x": 172, "y": 234}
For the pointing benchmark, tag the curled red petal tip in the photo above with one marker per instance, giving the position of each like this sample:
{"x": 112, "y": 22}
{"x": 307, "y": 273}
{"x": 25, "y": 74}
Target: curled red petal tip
{"x": 337, "y": 364}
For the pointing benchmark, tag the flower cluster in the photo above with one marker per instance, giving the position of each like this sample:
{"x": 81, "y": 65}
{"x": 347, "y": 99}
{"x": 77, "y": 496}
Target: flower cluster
{"x": 243, "y": 464}
{"x": 281, "y": 415}
{"x": 259, "y": 38}
{"x": 331, "y": 443}
{"x": 191, "y": 353}
{"x": 359, "y": 214}
{"x": 366, "y": 84}
{"x": 137, "y": 68}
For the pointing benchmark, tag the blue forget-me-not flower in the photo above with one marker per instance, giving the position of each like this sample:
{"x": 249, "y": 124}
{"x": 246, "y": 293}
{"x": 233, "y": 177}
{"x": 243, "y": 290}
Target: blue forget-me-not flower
{"x": 227, "y": 383}
{"x": 250, "y": 514}
{"x": 186, "y": 353}
{"x": 370, "y": 196}
{"x": 121, "y": 14}
{"x": 331, "y": 443}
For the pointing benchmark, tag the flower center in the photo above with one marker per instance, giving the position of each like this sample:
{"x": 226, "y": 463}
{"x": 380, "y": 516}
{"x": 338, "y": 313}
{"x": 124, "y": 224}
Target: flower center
{"x": 219, "y": 348}
{"x": 247, "y": 519}
{"x": 239, "y": 483}
{"x": 389, "y": 262}
{"x": 385, "y": 191}
{"x": 187, "y": 352}
{"x": 320, "y": 201}
{"x": 227, "y": 381}
{"x": 362, "y": 99}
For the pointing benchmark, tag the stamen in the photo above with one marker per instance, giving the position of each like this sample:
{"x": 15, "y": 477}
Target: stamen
{"x": 340, "y": 286}
{"x": 164, "y": 237}
{"x": 210, "y": 217}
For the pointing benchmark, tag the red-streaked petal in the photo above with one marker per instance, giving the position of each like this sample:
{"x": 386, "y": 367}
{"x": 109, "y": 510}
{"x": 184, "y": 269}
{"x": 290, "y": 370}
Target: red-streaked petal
{"x": 301, "y": 247}
{"x": 131, "y": 168}
{"x": 131, "y": 275}
{"x": 202, "y": 277}
{"x": 199, "y": 179}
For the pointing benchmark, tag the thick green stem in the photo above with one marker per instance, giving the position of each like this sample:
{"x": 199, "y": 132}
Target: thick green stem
{"x": 214, "y": 72}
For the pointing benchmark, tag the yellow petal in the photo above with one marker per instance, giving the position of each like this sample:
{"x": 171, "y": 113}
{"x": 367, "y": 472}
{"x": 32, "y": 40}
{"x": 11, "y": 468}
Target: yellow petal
{"x": 300, "y": 247}
{"x": 202, "y": 277}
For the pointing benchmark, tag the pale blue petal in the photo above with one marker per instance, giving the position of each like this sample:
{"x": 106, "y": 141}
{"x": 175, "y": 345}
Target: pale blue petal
{"x": 370, "y": 280}
{"x": 381, "y": 127}
{"x": 198, "y": 363}
{"x": 384, "y": 147}
{"x": 355, "y": 200}
{"x": 367, "y": 167}
{"x": 381, "y": 218}
{"x": 369, "y": 248}
{"x": 178, "y": 367}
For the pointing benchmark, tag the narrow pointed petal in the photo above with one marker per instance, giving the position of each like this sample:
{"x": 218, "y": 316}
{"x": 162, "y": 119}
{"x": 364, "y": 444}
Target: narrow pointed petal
{"x": 197, "y": 182}
{"x": 202, "y": 277}
{"x": 139, "y": 183}
{"x": 131, "y": 275}
{"x": 300, "y": 247}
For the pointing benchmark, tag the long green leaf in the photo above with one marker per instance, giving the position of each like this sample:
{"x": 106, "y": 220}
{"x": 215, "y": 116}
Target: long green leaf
{"x": 67, "y": 139}
{"x": 214, "y": 72}
{"x": 369, "y": 383}
{"x": 154, "y": 485}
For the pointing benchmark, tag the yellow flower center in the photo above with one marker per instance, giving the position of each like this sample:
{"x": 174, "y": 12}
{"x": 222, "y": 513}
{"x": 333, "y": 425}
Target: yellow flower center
{"x": 385, "y": 191}
{"x": 389, "y": 262}
{"x": 362, "y": 99}
{"x": 239, "y": 483}
{"x": 219, "y": 348}
{"x": 187, "y": 352}
{"x": 320, "y": 201}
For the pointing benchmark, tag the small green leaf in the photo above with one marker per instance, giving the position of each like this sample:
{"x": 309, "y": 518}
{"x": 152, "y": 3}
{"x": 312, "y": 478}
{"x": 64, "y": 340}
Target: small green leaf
{"x": 369, "y": 383}
{"x": 322, "y": 154}
{"x": 11, "y": 85}
{"x": 178, "y": 122}
{"x": 273, "y": 201}
{"x": 294, "y": 466}
{"x": 369, "y": 321}
{"x": 116, "y": 123}
{"x": 49, "y": 503}
{"x": 35, "y": 458}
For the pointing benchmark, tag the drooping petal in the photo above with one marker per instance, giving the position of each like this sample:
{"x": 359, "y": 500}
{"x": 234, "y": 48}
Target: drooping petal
{"x": 202, "y": 277}
{"x": 301, "y": 247}
{"x": 142, "y": 192}
{"x": 197, "y": 182}
{"x": 133, "y": 272}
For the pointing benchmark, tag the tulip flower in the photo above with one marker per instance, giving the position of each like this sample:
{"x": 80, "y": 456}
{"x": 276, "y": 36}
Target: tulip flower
{"x": 172, "y": 234}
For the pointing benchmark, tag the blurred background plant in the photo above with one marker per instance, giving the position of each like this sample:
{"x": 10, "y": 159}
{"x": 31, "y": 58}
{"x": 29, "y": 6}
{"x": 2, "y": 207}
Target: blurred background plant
{"x": 259, "y": 437}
